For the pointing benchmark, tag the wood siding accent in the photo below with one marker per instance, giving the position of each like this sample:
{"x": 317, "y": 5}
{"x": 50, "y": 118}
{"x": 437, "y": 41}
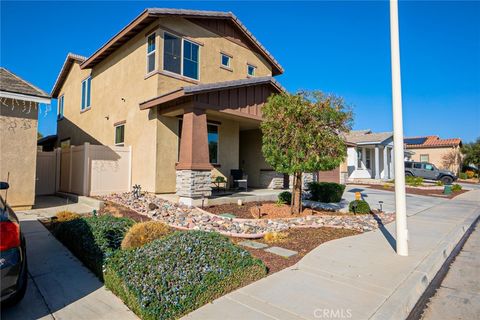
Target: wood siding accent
{"x": 245, "y": 101}
{"x": 226, "y": 29}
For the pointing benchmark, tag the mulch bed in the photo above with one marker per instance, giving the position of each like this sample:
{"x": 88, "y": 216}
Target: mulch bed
{"x": 268, "y": 210}
{"x": 302, "y": 240}
{"x": 117, "y": 210}
{"x": 421, "y": 192}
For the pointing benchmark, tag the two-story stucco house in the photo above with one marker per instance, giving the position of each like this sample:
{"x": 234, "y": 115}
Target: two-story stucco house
{"x": 184, "y": 89}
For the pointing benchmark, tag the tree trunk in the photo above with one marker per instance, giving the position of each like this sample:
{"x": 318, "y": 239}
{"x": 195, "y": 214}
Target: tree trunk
{"x": 296, "y": 207}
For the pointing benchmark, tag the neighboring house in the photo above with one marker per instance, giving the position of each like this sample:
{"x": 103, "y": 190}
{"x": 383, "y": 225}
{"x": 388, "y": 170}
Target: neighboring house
{"x": 372, "y": 157}
{"x": 18, "y": 140}
{"x": 184, "y": 89}
{"x": 443, "y": 153}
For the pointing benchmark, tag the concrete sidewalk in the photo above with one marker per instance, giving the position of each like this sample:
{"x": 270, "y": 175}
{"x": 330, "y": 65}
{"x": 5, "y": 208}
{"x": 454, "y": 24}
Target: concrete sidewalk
{"x": 358, "y": 277}
{"x": 59, "y": 286}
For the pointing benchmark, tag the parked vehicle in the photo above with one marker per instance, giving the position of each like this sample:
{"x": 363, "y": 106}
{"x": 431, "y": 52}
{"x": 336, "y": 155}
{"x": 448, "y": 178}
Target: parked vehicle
{"x": 13, "y": 259}
{"x": 428, "y": 171}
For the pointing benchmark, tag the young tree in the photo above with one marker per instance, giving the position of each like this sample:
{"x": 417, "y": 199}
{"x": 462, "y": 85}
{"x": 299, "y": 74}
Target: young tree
{"x": 303, "y": 132}
{"x": 471, "y": 154}
{"x": 451, "y": 160}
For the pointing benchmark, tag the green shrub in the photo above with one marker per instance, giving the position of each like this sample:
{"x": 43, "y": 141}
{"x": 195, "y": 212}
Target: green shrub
{"x": 170, "y": 277}
{"x": 285, "y": 197}
{"x": 143, "y": 233}
{"x": 326, "y": 191}
{"x": 439, "y": 183}
{"x": 463, "y": 175}
{"x": 93, "y": 239}
{"x": 413, "y": 181}
{"x": 359, "y": 206}
{"x": 456, "y": 187}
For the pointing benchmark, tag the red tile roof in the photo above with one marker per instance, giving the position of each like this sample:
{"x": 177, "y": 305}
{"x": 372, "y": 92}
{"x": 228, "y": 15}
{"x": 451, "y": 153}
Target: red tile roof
{"x": 434, "y": 142}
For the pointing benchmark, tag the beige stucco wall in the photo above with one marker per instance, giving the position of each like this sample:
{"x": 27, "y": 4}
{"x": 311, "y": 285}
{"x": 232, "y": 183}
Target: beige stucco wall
{"x": 251, "y": 157}
{"x": 119, "y": 84}
{"x": 18, "y": 152}
{"x": 436, "y": 156}
{"x": 228, "y": 148}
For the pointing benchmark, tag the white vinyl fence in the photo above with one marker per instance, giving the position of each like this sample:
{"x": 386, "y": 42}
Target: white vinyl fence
{"x": 89, "y": 170}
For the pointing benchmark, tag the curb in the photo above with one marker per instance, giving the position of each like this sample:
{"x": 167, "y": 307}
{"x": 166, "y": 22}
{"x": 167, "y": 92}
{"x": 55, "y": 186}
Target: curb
{"x": 403, "y": 301}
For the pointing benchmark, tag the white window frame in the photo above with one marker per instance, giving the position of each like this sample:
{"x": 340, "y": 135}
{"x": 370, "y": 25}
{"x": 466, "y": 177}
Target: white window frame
{"x": 84, "y": 95}
{"x": 229, "y": 66}
{"x": 181, "y": 56}
{"x": 425, "y": 155}
{"x": 120, "y": 144}
{"x": 254, "y": 70}
{"x": 148, "y": 54}
{"x": 60, "y": 102}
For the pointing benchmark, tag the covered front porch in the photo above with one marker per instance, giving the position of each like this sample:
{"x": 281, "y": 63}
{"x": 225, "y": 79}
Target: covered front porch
{"x": 371, "y": 161}
{"x": 219, "y": 136}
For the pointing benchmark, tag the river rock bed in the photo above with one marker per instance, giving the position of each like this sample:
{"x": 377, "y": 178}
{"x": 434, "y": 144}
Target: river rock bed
{"x": 184, "y": 217}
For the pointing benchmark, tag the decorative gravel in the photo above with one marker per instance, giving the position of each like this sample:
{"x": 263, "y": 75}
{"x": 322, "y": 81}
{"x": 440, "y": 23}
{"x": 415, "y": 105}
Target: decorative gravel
{"x": 184, "y": 217}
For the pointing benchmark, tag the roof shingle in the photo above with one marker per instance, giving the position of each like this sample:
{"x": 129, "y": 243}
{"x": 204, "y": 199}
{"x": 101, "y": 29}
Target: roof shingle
{"x": 367, "y": 136}
{"x": 10, "y": 82}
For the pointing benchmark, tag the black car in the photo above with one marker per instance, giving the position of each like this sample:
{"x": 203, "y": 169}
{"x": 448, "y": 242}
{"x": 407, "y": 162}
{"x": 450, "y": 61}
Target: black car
{"x": 13, "y": 259}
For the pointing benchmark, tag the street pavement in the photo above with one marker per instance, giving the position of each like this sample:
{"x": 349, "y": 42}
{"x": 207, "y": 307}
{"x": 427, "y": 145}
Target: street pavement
{"x": 458, "y": 297}
{"x": 359, "y": 277}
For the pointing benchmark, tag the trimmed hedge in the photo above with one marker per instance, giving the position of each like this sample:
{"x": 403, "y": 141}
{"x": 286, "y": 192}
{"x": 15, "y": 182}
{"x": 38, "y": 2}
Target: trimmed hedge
{"x": 285, "y": 197}
{"x": 359, "y": 206}
{"x": 170, "y": 277}
{"x": 326, "y": 191}
{"x": 93, "y": 239}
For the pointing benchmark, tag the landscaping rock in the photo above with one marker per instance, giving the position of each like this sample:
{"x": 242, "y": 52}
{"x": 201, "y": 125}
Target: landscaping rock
{"x": 253, "y": 244}
{"x": 177, "y": 215}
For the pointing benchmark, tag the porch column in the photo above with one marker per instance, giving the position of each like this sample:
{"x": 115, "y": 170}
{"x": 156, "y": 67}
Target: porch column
{"x": 193, "y": 169}
{"x": 392, "y": 168}
{"x": 364, "y": 158}
{"x": 377, "y": 163}
{"x": 385, "y": 174}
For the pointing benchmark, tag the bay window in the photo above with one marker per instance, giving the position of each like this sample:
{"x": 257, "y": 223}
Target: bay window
{"x": 151, "y": 48}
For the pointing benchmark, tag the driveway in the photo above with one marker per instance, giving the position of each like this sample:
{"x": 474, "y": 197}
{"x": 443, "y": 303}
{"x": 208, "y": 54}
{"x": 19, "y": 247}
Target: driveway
{"x": 59, "y": 286}
{"x": 415, "y": 203}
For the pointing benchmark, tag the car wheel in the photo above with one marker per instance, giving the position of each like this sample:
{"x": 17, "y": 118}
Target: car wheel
{"x": 446, "y": 180}
{"x": 408, "y": 174}
{"x": 22, "y": 283}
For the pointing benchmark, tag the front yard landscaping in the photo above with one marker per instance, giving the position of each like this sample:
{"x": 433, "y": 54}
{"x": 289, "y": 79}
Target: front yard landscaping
{"x": 422, "y": 190}
{"x": 163, "y": 273}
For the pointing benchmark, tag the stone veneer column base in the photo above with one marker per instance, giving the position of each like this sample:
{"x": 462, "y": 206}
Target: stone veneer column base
{"x": 193, "y": 185}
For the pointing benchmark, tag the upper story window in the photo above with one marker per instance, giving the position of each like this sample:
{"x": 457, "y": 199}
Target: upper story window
{"x": 120, "y": 134}
{"x": 60, "y": 107}
{"x": 181, "y": 56}
{"x": 86, "y": 86}
{"x": 251, "y": 70}
{"x": 151, "y": 48}
{"x": 225, "y": 60}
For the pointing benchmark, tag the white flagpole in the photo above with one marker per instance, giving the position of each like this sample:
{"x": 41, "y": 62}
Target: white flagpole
{"x": 400, "y": 199}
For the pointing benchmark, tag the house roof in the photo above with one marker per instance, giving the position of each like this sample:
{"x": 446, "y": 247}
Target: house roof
{"x": 431, "y": 142}
{"x": 150, "y": 14}
{"x": 367, "y": 136}
{"x": 11, "y": 83}
{"x": 207, "y": 87}
{"x": 69, "y": 60}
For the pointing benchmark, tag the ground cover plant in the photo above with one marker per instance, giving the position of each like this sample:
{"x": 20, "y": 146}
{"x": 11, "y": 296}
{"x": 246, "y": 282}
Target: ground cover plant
{"x": 93, "y": 239}
{"x": 170, "y": 277}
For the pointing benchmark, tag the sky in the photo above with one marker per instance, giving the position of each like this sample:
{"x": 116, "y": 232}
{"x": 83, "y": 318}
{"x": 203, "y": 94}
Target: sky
{"x": 337, "y": 47}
